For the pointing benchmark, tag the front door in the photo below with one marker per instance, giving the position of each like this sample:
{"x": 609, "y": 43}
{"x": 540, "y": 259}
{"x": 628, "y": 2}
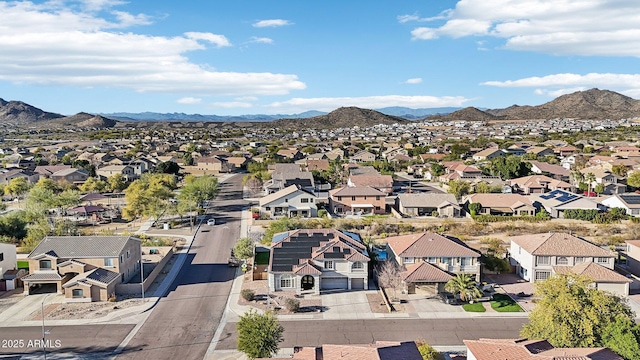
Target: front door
{"x": 307, "y": 282}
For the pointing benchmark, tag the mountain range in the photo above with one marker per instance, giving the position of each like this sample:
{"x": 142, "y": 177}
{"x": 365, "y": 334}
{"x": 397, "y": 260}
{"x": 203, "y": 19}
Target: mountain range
{"x": 589, "y": 104}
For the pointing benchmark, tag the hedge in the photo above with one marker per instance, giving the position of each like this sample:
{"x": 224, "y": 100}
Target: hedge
{"x": 500, "y": 218}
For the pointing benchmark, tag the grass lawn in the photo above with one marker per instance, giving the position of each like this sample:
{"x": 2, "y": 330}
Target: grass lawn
{"x": 23, "y": 264}
{"x": 503, "y": 303}
{"x": 475, "y": 307}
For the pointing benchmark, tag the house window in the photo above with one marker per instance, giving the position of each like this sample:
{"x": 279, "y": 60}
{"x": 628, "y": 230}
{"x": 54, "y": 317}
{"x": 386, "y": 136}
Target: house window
{"x": 339, "y": 198}
{"x": 1, "y": 256}
{"x": 286, "y": 281}
{"x": 603, "y": 260}
{"x": 128, "y": 254}
{"x": 377, "y": 197}
{"x": 562, "y": 260}
{"x": 432, "y": 260}
{"x": 446, "y": 260}
{"x": 408, "y": 260}
{"x": 121, "y": 258}
{"x": 267, "y": 208}
{"x": 286, "y": 200}
{"x": 311, "y": 200}
{"x": 353, "y": 198}
{"x": 579, "y": 259}
{"x": 108, "y": 262}
{"x": 543, "y": 260}
{"x": 357, "y": 266}
{"x": 377, "y": 208}
{"x": 45, "y": 264}
{"x": 77, "y": 293}
{"x": 542, "y": 275}
{"x": 304, "y": 200}
{"x": 328, "y": 265}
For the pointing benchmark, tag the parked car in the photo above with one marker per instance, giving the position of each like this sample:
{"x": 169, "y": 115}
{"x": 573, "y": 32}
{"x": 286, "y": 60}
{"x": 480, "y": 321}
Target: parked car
{"x": 211, "y": 222}
{"x": 448, "y": 298}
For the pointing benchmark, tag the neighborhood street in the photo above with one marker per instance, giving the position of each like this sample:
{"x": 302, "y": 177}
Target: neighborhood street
{"x": 183, "y": 322}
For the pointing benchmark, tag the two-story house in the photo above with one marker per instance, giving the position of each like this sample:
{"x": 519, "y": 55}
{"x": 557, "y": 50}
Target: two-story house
{"x": 380, "y": 182}
{"x": 317, "y": 259}
{"x": 83, "y": 268}
{"x": 538, "y": 184}
{"x": 538, "y": 256}
{"x": 430, "y": 260}
{"x": 70, "y": 176}
{"x": 7, "y": 263}
{"x": 291, "y": 201}
{"x": 357, "y": 200}
{"x": 362, "y": 156}
{"x": 110, "y": 170}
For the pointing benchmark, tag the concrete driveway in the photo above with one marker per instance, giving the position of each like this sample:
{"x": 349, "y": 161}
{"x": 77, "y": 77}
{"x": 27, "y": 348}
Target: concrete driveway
{"x": 512, "y": 285}
{"x": 422, "y": 303}
{"x": 346, "y": 305}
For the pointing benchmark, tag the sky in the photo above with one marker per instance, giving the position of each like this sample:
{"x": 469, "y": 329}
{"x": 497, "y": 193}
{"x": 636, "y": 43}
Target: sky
{"x": 285, "y": 57}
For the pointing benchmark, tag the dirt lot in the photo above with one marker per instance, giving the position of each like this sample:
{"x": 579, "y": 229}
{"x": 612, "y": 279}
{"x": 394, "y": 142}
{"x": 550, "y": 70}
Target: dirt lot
{"x": 82, "y": 310}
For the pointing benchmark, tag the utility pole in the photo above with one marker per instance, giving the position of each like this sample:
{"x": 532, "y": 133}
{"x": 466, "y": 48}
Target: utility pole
{"x": 141, "y": 272}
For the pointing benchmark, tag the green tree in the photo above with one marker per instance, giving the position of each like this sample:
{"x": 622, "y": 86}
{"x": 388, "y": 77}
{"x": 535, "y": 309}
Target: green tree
{"x": 623, "y": 337}
{"x": 599, "y": 189}
{"x": 47, "y": 183}
{"x": 149, "y": 196}
{"x": 199, "y": 189}
{"x": 590, "y": 178}
{"x": 17, "y": 187}
{"x": 86, "y": 165}
{"x": 465, "y": 285}
{"x": 168, "y": 167}
{"x": 93, "y": 185}
{"x": 634, "y": 179}
{"x": 13, "y": 227}
{"x": 259, "y": 335}
{"x": 475, "y": 208}
{"x": 510, "y": 167}
{"x": 437, "y": 169}
{"x": 243, "y": 249}
{"x": 571, "y": 313}
{"x": 187, "y": 159}
{"x": 117, "y": 182}
{"x": 620, "y": 170}
{"x": 458, "y": 188}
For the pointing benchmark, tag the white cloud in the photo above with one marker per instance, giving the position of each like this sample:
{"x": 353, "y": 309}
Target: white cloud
{"x": 565, "y": 27}
{"x": 415, "y": 17}
{"x": 232, "y": 104}
{"x": 272, "y": 23}
{"x": 560, "y": 84}
{"x": 54, "y": 44}
{"x": 260, "y": 40}
{"x": 369, "y": 102}
{"x": 413, "y": 81}
{"x": 246, "y": 98}
{"x": 218, "y": 40}
{"x": 189, "y": 100}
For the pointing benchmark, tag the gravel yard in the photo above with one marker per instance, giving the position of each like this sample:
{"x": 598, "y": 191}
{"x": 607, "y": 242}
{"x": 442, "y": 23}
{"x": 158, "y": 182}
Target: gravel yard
{"x": 308, "y": 303}
{"x": 71, "y": 311}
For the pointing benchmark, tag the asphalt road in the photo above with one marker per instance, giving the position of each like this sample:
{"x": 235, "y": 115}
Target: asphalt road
{"x": 183, "y": 322}
{"x": 79, "y": 339}
{"x": 439, "y": 332}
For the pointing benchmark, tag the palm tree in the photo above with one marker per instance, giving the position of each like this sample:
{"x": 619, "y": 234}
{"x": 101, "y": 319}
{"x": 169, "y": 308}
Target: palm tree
{"x": 465, "y": 285}
{"x": 578, "y": 177}
{"x": 590, "y": 178}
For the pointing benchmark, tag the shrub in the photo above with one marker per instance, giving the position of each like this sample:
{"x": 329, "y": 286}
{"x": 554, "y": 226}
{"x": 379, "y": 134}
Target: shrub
{"x": 247, "y": 294}
{"x": 292, "y": 304}
{"x": 499, "y": 218}
{"x": 322, "y": 213}
{"x": 434, "y": 213}
{"x": 427, "y": 352}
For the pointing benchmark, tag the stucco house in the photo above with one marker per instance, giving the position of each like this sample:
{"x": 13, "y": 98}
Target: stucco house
{"x": 538, "y": 184}
{"x": 524, "y": 349}
{"x": 488, "y": 154}
{"x": 503, "y": 204}
{"x": 317, "y": 259}
{"x": 70, "y": 176}
{"x": 430, "y": 260}
{"x": 629, "y": 202}
{"x": 290, "y": 201}
{"x": 362, "y": 156}
{"x": 425, "y": 204}
{"x": 7, "y": 263}
{"x": 557, "y": 202}
{"x": 357, "y": 200}
{"x": 83, "y": 268}
{"x": 380, "y": 182}
{"x": 536, "y": 255}
{"x": 125, "y": 170}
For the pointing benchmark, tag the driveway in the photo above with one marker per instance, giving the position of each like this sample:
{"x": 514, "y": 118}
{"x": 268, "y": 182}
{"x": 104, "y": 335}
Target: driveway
{"x": 346, "y": 305}
{"x": 512, "y": 285}
{"x": 422, "y": 303}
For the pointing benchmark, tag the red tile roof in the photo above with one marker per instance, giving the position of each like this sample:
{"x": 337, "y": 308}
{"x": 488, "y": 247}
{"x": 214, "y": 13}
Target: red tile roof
{"x": 429, "y": 244}
{"x": 425, "y": 272}
{"x": 559, "y": 244}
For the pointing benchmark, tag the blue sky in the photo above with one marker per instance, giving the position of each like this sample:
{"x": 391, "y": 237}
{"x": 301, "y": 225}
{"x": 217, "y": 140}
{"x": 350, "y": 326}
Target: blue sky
{"x": 283, "y": 57}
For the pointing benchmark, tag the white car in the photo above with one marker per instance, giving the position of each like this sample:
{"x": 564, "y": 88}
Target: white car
{"x": 211, "y": 222}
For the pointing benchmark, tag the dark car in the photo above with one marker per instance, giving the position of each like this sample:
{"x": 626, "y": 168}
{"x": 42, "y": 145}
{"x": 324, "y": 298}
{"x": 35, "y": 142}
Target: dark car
{"x": 448, "y": 298}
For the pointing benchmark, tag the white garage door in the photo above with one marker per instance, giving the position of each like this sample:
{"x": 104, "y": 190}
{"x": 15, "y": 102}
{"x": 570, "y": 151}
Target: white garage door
{"x": 616, "y": 288}
{"x": 357, "y": 284}
{"x": 334, "y": 283}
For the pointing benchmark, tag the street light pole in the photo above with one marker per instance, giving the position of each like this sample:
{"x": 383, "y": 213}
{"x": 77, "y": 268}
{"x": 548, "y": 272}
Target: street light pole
{"x": 141, "y": 272}
{"x": 44, "y": 333}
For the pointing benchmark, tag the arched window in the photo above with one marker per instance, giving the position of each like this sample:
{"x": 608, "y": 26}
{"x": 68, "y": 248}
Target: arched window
{"x": 286, "y": 281}
{"x": 357, "y": 266}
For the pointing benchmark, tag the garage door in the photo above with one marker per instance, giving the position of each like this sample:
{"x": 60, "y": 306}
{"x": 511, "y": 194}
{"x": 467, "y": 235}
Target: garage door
{"x": 334, "y": 283}
{"x": 426, "y": 288}
{"x": 357, "y": 284}
{"x": 616, "y": 288}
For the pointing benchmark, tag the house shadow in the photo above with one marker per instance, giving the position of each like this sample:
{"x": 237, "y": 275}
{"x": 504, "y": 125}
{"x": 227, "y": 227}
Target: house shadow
{"x": 191, "y": 274}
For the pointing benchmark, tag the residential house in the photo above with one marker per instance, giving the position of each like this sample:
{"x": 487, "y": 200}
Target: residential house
{"x": 632, "y": 254}
{"x": 317, "y": 259}
{"x": 540, "y": 151}
{"x": 290, "y": 201}
{"x": 285, "y": 175}
{"x": 535, "y": 256}
{"x": 108, "y": 171}
{"x": 514, "y": 150}
{"x": 502, "y": 204}
{"x": 523, "y": 349}
{"x": 538, "y": 184}
{"x": 291, "y": 154}
{"x": 47, "y": 170}
{"x": 602, "y": 278}
{"x": 557, "y": 202}
{"x": 606, "y": 178}
{"x": 70, "y": 176}
{"x": 380, "y": 350}
{"x": 425, "y": 204}
{"x": 630, "y": 202}
{"x": 7, "y": 176}
{"x": 555, "y": 171}
{"x": 8, "y": 263}
{"x": 362, "y": 156}
{"x": 430, "y": 260}
{"x": 565, "y": 150}
{"x": 383, "y": 183}
{"x": 213, "y": 164}
{"x": 357, "y": 200}
{"x": 318, "y": 165}
{"x": 237, "y": 162}
{"x": 83, "y": 268}
{"x": 488, "y": 154}
{"x": 361, "y": 170}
